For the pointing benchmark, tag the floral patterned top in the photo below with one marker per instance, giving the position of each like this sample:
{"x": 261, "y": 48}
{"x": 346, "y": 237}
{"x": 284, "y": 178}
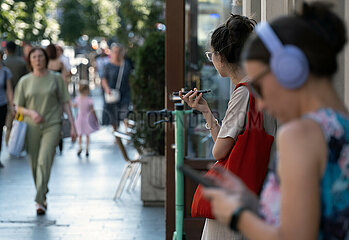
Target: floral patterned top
{"x": 334, "y": 184}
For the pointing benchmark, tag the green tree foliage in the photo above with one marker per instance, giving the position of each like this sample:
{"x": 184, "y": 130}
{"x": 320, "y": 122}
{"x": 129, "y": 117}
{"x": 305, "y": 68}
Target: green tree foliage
{"x": 146, "y": 47}
{"x": 147, "y": 86}
{"x": 94, "y": 18}
{"x": 28, "y": 20}
{"x": 137, "y": 21}
{"x": 71, "y": 21}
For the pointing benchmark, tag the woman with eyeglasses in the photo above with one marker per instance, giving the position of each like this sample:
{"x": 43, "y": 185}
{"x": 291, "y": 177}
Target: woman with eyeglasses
{"x": 291, "y": 61}
{"x": 226, "y": 45}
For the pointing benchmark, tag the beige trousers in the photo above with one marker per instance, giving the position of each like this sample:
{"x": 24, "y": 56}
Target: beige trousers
{"x": 41, "y": 148}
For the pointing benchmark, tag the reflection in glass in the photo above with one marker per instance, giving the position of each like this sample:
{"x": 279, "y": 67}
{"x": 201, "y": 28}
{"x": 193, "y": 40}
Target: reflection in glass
{"x": 202, "y": 17}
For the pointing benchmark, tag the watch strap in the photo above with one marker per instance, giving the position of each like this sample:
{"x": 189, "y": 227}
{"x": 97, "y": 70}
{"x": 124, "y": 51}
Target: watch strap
{"x": 235, "y": 217}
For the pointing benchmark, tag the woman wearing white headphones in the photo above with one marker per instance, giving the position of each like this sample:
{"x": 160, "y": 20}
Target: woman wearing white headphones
{"x": 290, "y": 63}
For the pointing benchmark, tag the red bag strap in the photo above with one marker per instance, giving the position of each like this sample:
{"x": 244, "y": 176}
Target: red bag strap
{"x": 252, "y": 110}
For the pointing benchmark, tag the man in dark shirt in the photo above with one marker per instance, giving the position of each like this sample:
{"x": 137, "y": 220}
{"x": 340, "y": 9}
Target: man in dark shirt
{"x": 18, "y": 68}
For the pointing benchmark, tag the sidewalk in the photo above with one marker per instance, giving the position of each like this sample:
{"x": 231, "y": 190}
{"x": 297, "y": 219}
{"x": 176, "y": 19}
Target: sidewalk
{"x": 80, "y": 204}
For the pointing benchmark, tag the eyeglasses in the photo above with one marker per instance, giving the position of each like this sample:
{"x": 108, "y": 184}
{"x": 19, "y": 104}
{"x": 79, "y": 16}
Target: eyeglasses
{"x": 209, "y": 55}
{"x": 254, "y": 86}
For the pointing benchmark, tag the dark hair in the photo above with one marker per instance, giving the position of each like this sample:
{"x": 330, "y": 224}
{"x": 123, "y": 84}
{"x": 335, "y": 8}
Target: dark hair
{"x": 31, "y": 52}
{"x": 11, "y": 47}
{"x": 317, "y": 31}
{"x": 51, "y": 51}
{"x": 229, "y": 38}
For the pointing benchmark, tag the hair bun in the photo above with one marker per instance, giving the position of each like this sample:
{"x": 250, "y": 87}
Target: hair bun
{"x": 239, "y": 25}
{"x": 327, "y": 24}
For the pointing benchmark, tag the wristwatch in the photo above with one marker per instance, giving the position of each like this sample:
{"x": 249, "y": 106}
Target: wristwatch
{"x": 235, "y": 217}
{"x": 210, "y": 128}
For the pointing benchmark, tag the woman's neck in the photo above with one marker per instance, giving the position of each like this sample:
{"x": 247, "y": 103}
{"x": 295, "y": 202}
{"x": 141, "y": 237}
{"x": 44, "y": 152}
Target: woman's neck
{"x": 116, "y": 61}
{"x": 236, "y": 75}
{"x": 40, "y": 72}
{"x": 320, "y": 94}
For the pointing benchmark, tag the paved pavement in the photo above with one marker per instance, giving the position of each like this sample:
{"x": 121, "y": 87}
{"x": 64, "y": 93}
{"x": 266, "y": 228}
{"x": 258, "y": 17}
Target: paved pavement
{"x": 80, "y": 204}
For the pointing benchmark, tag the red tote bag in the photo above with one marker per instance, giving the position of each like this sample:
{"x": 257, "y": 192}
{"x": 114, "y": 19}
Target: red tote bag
{"x": 248, "y": 159}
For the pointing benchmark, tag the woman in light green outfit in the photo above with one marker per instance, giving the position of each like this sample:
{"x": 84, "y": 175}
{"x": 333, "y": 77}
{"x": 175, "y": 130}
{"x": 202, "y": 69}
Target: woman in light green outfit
{"x": 40, "y": 96}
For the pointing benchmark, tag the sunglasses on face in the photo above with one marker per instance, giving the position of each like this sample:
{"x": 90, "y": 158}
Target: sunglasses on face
{"x": 254, "y": 85}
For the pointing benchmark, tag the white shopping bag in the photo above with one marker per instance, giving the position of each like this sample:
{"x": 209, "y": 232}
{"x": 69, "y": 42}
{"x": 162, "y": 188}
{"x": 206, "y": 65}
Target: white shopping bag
{"x": 17, "y": 138}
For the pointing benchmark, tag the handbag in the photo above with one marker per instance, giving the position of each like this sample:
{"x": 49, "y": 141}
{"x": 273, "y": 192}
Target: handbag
{"x": 248, "y": 159}
{"x": 17, "y": 135}
{"x": 65, "y": 128}
{"x": 65, "y": 123}
{"x": 114, "y": 96}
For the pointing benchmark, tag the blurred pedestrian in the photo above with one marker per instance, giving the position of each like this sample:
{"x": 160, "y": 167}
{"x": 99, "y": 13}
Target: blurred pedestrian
{"x": 40, "y": 95}
{"x": 291, "y": 62}
{"x": 86, "y": 121}
{"x": 26, "y": 49}
{"x": 18, "y": 68}
{"x": 117, "y": 111}
{"x": 6, "y": 97}
{"x": 66, "y": 62}
{"x": 226, "y": 43}
{"x": 56, "y": 65}
{"x": 101, "y": 61}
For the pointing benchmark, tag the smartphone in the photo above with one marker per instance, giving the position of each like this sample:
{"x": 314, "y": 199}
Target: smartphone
{"x": 185, "y": 92}
{"x": 196, "y": 176}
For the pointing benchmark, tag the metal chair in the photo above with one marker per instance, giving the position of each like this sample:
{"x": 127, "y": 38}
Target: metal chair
{"x": 132, "y": 170}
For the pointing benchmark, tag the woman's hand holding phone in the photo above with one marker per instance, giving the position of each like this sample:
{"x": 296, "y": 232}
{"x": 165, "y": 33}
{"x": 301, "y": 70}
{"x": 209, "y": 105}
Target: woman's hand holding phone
{"x": 195, "y": 100}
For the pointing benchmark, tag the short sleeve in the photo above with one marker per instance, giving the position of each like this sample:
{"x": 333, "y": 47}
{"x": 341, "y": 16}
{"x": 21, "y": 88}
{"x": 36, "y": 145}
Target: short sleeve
{"x": 63, "y": 91}
{"x": 19, "y": 98}
{"x": 234, "y": 120}
{"x": 8, "y": 74}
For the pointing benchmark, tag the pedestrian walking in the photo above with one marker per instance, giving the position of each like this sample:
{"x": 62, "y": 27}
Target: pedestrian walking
{"x": 39, "y": 96}
{"x": 116, "y": 78}
{"x": 101, "y": 61}
{"x": 6, "y": 97}
{"x": 18, "y": 68}
{"x": 26, "y": 49}
{"x": 226, "y": 45}
{"x": 86, "y": 121}
{"x": 66, "y": 62}
{"x": 56, "y": 65}
{"x": 291, "y": 62}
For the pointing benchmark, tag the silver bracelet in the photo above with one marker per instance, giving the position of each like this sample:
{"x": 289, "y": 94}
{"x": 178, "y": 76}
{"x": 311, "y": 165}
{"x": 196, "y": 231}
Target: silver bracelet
{"x": 210, "y": 128}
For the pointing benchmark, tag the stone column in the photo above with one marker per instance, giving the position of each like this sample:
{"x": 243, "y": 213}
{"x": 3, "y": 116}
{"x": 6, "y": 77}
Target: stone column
{"x": 236, "y": 7}
{"x": 252, "y": 9}
{"x": 271, "y": 9}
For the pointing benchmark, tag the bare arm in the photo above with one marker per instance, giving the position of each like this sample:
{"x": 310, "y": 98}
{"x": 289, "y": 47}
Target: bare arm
{"x": 222, "y": 147}
{"x": 67, "y": 110}
{"x": 92, "y": 110}
{"x": 37, "y": 118}
{"x": 65, "y": 73}
{"x": 105, "y": 86}
{"x": 302, "y": 152}
{"x": 9, "y": 93}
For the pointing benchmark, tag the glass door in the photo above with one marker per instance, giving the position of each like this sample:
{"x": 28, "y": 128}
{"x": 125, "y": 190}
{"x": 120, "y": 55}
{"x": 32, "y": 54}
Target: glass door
{"x": 202, "y": 17}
